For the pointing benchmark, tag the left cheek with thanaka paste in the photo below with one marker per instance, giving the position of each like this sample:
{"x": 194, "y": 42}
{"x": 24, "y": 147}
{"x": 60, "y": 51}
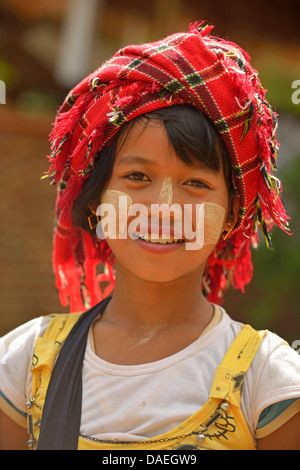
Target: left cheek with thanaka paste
{"x": 209, "y": 225}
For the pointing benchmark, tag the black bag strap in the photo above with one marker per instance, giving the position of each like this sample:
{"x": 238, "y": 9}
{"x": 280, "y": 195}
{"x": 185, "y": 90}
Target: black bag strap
{"x": 62, "y": 409}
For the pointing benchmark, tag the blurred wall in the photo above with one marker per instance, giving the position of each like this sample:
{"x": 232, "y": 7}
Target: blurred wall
{"x": 46, "y": 46}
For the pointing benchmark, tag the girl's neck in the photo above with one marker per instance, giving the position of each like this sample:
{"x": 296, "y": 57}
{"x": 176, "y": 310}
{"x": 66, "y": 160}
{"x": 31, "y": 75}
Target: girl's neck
{"x": 136, "y": 302}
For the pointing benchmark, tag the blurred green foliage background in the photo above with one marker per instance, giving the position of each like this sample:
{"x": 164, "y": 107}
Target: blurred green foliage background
{"x": 272, "y": 299}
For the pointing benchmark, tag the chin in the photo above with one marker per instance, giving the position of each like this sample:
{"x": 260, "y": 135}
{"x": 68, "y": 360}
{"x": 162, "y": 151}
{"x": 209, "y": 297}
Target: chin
{"x": 145, "y": 266}
{"x": 162, "y": 274}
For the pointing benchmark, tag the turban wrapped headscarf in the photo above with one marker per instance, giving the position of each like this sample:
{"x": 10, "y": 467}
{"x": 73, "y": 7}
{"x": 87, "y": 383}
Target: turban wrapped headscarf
{"x": 196, "y": 68}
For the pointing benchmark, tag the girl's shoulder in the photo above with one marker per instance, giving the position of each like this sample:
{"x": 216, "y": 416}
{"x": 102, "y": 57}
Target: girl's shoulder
{"x": 20, "y": 340}
{"x": 16, "y": 348}
{"x": 273, "y": 377}
{"x": 274, "y": 359}
{"x": 271, "y": 343}
{"x": 16, "y": 359}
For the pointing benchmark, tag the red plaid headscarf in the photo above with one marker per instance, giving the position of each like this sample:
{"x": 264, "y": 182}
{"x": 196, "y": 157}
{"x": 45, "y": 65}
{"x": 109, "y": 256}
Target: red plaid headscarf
{"x": 207, "y": 72}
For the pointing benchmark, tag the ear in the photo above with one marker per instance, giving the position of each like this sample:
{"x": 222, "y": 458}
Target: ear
{"x": 92, "y": 218}
{"x": 232, "y": 217}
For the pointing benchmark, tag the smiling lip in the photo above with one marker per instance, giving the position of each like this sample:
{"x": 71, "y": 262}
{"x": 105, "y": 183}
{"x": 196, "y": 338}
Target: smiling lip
{"x": 158, "y": 248}
{"x": 155, "y": 230}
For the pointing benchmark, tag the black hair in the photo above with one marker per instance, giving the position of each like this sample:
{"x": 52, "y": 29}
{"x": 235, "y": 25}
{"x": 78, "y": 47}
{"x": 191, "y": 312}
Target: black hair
{"x": 192, "y": 136}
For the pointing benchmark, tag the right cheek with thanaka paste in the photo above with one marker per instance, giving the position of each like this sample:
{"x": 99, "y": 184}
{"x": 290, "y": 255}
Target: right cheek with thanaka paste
{"x": 113, "y": 211}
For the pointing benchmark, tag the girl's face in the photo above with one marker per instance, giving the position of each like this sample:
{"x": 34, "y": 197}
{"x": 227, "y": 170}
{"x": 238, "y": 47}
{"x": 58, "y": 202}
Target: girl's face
{"x": 149, "y": 172}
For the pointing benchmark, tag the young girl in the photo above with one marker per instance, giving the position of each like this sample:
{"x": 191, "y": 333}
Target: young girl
{"x": 180, "y": 126}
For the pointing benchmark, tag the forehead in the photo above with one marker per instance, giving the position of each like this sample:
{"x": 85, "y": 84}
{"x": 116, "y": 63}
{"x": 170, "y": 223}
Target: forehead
{"x": 141, "y": 132}
{"x": 147, "y": 142}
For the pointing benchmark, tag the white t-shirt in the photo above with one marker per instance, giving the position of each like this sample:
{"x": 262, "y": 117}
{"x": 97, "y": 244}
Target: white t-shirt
{"x": 142, "y": 401}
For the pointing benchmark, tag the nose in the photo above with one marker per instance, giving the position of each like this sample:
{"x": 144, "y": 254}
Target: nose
{"x": 165, "y": 196}
{"x": 162, "y": 215}
{"x": 166, "y": 192}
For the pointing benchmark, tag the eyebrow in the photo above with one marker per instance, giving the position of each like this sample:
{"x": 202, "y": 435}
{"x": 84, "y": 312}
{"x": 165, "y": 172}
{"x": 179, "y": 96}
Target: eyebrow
{"x": 136, "y": 159}
{"x": 196, "y": 164}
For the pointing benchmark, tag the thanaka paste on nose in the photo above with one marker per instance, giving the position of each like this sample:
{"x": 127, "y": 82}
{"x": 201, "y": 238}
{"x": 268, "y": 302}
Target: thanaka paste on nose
{"x": 166, "y": 192}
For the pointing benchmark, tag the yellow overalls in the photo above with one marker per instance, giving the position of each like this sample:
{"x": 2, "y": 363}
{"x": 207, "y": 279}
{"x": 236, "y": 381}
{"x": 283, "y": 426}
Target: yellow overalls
{"x": 218, "y": 425}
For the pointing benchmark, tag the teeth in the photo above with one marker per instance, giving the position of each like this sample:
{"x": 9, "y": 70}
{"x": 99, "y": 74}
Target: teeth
{"x": 156, "y": 239}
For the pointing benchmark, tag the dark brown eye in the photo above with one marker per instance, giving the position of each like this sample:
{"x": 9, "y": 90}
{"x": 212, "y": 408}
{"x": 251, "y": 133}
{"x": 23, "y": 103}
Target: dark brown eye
{"x": 137, "y": 176}
{"x": 197, "y": 183}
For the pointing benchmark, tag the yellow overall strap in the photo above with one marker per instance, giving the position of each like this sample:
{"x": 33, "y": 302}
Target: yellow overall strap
{"x": 60, "y": 408}
{"x": 230, "y": 375}
{"x": 46, "y": 350}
